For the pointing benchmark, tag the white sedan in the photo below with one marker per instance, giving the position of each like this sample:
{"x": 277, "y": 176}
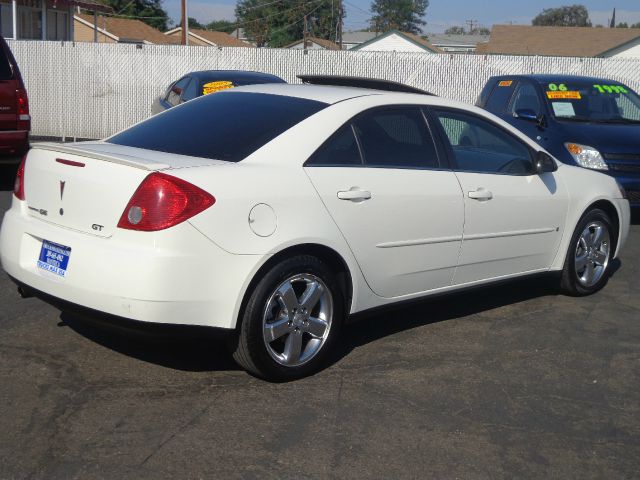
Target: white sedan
{"x": 272, "y": 212}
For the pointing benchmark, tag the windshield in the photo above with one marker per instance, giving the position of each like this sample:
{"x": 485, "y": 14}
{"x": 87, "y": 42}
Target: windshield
{"x": 583, "y": 101}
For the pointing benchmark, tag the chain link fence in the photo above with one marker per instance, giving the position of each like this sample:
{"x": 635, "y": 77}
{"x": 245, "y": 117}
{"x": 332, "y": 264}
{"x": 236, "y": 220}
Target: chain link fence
{"x": 92, "y": 90}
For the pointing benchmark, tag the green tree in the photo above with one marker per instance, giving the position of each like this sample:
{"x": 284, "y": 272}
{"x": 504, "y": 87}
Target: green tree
{"x": 566, "y": 16}
{"x": 276, "y": 24}
{"x": 635, "y": 25}
{"x": 193, "y": 23}
{"x": 403, "y": 15}
{"x": 480, "y": 31}
{"x": 221, "y": 26}
{"x": 454, "y": 31}
{"x": 622, "y": 25}
{"x": 148, "y": 11}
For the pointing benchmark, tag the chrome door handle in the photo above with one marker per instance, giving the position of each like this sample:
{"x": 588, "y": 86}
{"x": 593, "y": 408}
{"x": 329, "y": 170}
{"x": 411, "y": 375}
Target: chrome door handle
{"x": 481, "y": 194}
{"x": 354, "y": 194}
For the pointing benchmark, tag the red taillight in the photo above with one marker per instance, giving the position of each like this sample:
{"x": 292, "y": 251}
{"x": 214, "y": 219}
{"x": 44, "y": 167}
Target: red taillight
{"x": 22, "y": 108}
{"x": 18, "y": 186}
{"x": 162, "y": 201}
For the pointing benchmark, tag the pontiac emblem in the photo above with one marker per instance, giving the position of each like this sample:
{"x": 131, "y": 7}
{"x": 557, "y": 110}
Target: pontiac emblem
{"x": 61, "y": 189}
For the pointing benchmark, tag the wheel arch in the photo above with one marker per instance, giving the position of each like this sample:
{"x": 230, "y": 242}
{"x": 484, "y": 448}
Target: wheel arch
{"x": 610, "y": 209}
{"x": 331, "y": 257}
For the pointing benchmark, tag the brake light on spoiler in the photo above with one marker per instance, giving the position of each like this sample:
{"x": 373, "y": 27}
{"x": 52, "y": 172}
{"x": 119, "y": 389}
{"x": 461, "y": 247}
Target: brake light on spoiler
{"x": 162, "y": 201}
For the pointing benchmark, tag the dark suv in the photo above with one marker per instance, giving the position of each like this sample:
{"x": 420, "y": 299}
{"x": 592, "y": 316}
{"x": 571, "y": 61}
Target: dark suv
{"x": 15, "y": 121}
{"x": 590, "y": 122}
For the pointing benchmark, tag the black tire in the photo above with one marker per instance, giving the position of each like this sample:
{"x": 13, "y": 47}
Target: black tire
{"x": 252, "y": 351}
{"x": 570, "y": 283}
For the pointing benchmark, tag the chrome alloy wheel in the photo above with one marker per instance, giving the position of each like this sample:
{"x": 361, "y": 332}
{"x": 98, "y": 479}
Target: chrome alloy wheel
{"x": 297, "y": 319}
{"x": 592, "y": 253}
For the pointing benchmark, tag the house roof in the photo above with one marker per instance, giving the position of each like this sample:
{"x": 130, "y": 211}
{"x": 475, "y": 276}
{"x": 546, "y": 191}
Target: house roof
{"x": 126, "y": 29}
{"x": 326, "y": 44}
{"x": 556, "y": 41}
{"x": 411, "y": 37}
{"x": 358, "y": 37}
{"x": 466, "y": 40}
{"x": 218, "y": 39}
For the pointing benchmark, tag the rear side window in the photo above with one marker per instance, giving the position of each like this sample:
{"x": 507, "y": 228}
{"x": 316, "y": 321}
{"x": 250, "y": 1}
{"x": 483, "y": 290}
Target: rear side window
{"x": 341, "y": 149}
{"x": 225, "y": 126}
{"x": 191, "y": 91}
{"x": 5, "y": 66}
{"x": 176, "y": 90}
{"x": 396, "y": 137}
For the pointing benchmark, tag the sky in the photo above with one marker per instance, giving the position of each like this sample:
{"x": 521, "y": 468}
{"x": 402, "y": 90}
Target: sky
{"x": 440, "y": 15}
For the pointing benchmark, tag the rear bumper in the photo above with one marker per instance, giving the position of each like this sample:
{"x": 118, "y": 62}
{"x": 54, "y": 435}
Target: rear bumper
{"x": 176, "y": 276}
{"x": 13, "y": 142}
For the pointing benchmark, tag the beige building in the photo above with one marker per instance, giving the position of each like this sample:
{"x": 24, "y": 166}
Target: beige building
{"x": 207, "y": 38}
{"x": 562, "y": 41}
{"x": 102, "y": 29}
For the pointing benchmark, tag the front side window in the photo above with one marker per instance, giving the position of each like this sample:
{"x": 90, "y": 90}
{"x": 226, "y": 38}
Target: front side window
{"x": 478, "y": 145}
{"x": 525, "y": 98}
{"x": 226, "y": 126}
{"x": 396, "y": 137}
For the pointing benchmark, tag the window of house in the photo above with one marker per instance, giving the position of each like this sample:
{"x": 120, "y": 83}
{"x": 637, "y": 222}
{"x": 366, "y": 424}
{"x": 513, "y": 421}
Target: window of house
{"x": 57, "y": 25}
{"x": 30, "y": 20}
{"x": 6, "y": 20}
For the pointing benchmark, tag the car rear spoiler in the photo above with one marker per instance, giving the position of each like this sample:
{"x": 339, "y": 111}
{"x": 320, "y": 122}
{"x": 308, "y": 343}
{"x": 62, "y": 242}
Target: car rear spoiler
{"x": 361, "y": 82}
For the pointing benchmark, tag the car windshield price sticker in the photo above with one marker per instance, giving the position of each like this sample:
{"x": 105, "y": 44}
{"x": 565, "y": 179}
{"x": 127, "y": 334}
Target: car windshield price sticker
{"x": 54, "y": 258}
{"x": 610, "y": 89}
{"x": 564, "y": 95}
{"x": 563, "y": 109}
{"x": 212, "y": 87}
{"x": 505, "y": 83}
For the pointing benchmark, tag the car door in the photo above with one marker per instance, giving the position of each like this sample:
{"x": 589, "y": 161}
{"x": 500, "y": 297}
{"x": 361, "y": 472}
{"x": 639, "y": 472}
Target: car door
{"x": 399, "y": 208}
{"x": 514, "y": 217}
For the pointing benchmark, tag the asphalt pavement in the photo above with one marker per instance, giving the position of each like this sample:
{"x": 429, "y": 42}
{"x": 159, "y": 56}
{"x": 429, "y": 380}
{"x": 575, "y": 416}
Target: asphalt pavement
{"x": 513, "y": 381}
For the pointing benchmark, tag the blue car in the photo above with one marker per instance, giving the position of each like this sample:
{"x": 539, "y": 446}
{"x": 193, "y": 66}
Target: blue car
{"x": 590, "y": 122}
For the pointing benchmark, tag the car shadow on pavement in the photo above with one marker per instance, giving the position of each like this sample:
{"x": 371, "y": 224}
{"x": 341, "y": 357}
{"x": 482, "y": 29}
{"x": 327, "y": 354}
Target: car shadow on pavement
{"x": 190, "y": 350}
{"x": 7, "y": 176}
{"x": 186, "y": 349}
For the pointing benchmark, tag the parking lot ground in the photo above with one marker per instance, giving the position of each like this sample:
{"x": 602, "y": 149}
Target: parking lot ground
{"x": 512, "y": 381}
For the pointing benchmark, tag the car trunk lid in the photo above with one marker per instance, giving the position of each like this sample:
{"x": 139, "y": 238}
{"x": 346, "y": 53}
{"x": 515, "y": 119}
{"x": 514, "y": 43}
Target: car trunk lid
{"x": 86, "y": 187}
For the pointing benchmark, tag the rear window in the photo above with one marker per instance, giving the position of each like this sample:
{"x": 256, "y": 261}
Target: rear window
{"x": 226, "y": 126}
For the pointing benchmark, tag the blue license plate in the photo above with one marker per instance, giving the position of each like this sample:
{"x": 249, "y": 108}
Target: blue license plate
{"x": 54, "y": 258}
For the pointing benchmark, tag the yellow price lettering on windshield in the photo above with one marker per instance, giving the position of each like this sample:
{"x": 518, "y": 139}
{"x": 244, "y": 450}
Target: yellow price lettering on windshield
{"x": 564, "y": 95}
{"x": 212, "y": 87}
{"x": 610, "y": 89}
{"x": 557, "y": 88}
{"x": 505, "y": 83}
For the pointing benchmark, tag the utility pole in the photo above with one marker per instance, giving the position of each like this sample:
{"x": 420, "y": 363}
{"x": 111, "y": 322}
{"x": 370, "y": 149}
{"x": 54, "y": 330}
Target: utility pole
{"x": 340, "y": 24}
{"x": 185, "y": 23}
{"x": 304, "y": 34}
{"x": 472, "y": 25}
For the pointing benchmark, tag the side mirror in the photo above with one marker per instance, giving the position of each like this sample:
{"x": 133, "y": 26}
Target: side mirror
{"x": 544, "y": 162}
{"x": 526, "y": 114}
{"x": 530, "y": 116}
